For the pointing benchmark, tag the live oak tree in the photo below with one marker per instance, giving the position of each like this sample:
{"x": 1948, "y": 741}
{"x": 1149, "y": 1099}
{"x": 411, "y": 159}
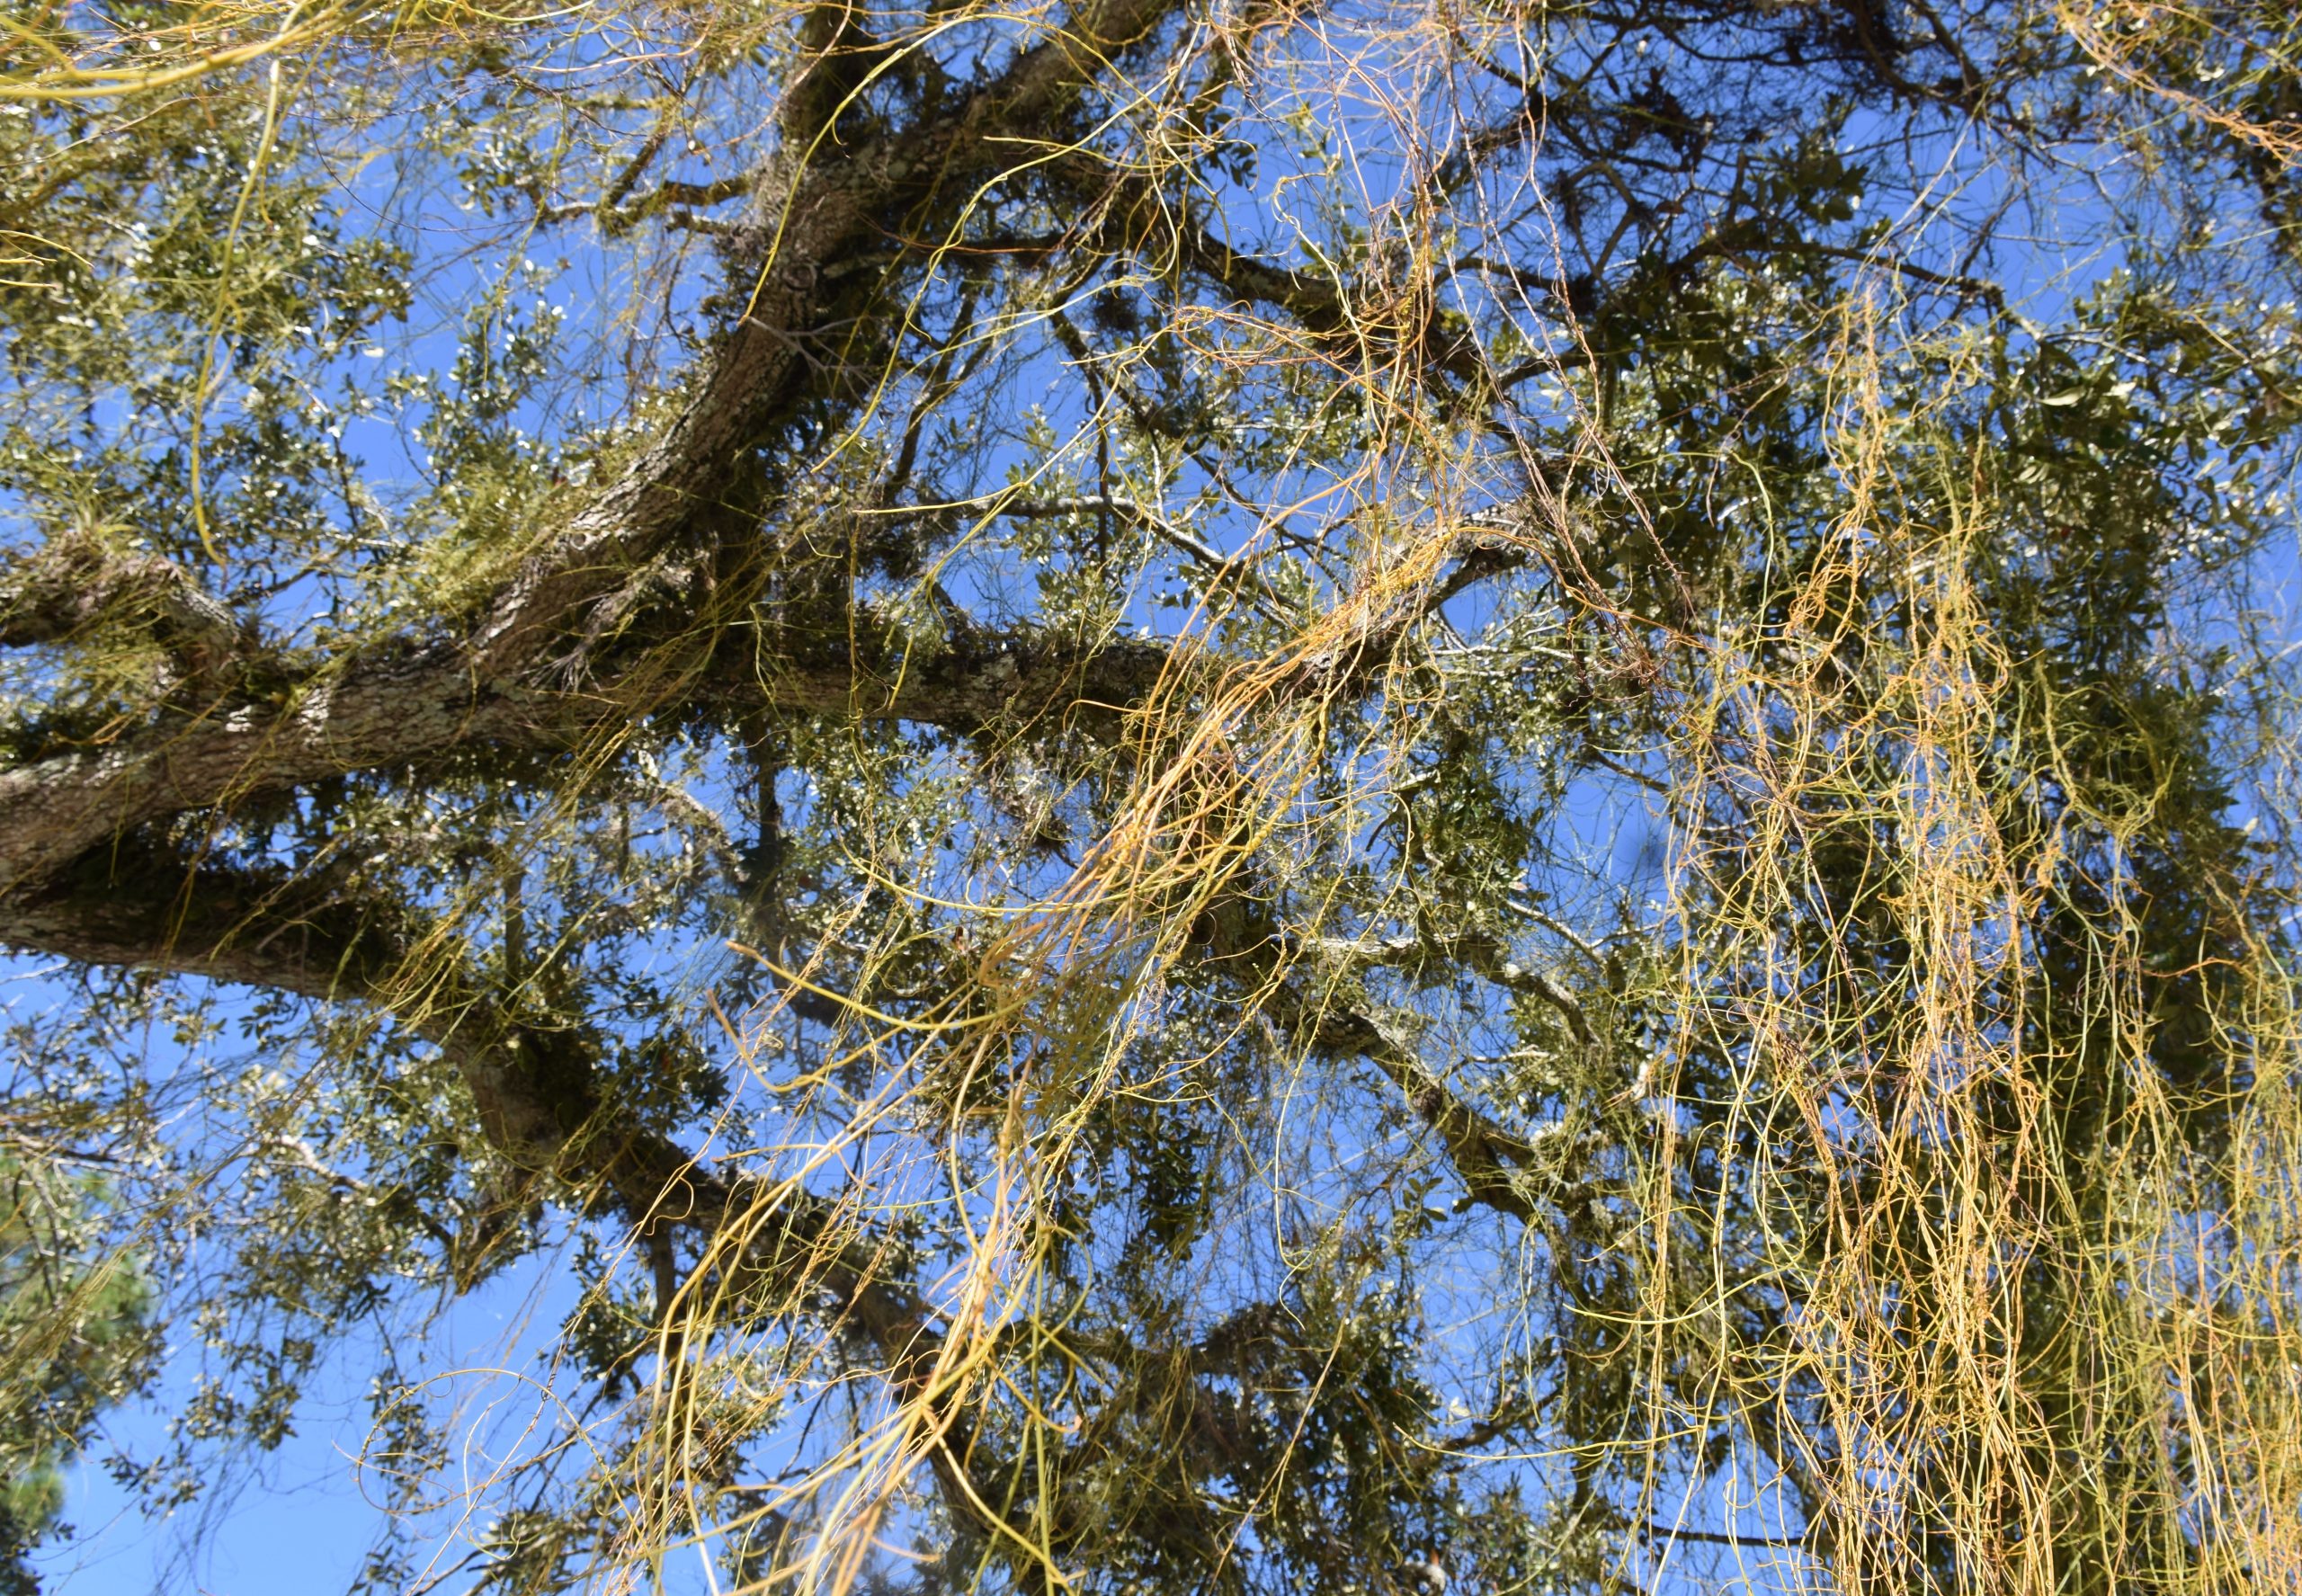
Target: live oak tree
{"x": 1168, "y": 797}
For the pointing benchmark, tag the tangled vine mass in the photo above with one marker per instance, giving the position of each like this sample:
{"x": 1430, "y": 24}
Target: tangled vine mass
{"x": 1125, "y": 797}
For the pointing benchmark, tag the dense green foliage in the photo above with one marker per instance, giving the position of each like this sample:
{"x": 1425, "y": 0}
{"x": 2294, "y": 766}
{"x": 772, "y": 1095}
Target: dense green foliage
{"x": 1165, "y": 798}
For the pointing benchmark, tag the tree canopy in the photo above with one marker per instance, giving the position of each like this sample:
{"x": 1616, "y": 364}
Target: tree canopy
{"x": 1246, "y": 798}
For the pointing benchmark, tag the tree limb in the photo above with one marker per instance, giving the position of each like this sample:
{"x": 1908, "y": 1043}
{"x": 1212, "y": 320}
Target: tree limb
{"x": 821, "y": 205}
{"x": 381, "y": 712}
{"x": 542, "y": 1101}
{"x": 74, "y": 584}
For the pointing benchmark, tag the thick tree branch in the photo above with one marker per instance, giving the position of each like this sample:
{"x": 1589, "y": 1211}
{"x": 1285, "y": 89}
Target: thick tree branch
{"x": 383, "y": 713}
{"x": 1483, "y": 951}
{"x": 542, "y": 1101}
{"x": 73, "y": 584}
{"x": 823, "y": 207}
